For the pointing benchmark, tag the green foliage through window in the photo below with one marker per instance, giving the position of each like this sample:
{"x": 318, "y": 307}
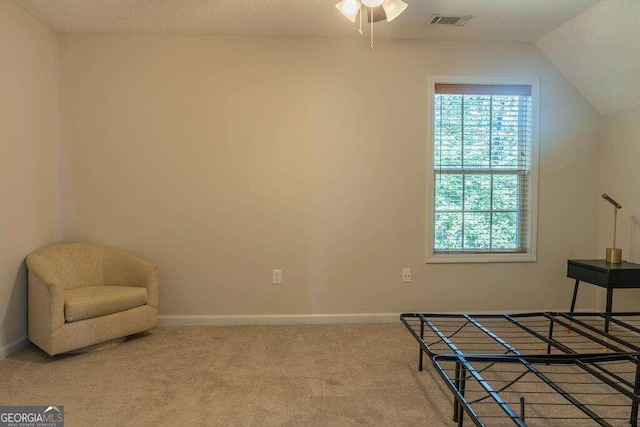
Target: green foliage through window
{"x": 482, "y": 146}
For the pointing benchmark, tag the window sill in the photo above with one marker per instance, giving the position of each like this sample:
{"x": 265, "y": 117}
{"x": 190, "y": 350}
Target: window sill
{"x": 477, "y": 258}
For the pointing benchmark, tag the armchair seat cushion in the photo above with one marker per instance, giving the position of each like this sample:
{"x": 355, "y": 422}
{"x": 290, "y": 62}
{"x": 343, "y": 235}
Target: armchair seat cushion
{"x": 94, "y": 301}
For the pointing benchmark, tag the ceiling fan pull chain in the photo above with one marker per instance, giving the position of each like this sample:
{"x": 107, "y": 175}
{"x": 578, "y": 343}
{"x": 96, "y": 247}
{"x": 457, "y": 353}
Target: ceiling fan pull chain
{"x": 360, "y": 29}
{"x": 371, "y": 9}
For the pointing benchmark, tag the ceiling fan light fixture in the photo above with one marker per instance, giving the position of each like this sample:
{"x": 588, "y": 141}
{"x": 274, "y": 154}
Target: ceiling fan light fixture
{"x": 349, "y": 8}
{"x": 372, "y": 3}
{"x": 377, "y": 10}
{"x": 393, "y": 8}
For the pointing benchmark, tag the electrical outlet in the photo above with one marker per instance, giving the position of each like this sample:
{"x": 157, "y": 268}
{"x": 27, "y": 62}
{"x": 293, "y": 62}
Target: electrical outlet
{"x": 406, "y": 275}
{"x": 277, "y": 277}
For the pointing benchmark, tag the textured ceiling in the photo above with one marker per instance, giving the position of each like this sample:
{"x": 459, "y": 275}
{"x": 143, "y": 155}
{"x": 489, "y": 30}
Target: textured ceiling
{"x": 494, "y": 20}
{"x": 599, "y": 52}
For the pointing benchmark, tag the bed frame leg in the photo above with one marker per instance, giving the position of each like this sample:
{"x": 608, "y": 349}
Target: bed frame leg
{"x": 457, "y": 384}
{"x": 636, "y": 389}
{"x": 550, "y": 337}
{"x": 463, "y": 380}
{"x": 420, "y": 345}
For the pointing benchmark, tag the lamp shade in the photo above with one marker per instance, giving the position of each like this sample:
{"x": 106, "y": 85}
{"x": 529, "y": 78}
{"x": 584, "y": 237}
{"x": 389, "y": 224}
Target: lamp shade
{"x": 393, "y": 8}
{"x": 349, "y": 8}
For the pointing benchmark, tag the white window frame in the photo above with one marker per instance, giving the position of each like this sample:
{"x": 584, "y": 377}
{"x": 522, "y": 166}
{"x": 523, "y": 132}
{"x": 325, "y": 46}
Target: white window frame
{"x": 532, "y": 203}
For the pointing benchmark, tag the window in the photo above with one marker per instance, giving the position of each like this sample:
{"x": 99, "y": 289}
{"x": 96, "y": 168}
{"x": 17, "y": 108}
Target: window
{"x": 482, "y": 194}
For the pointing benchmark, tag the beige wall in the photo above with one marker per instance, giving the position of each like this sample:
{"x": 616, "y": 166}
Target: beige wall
{"x": 222, "y": 158}
{"x": 620, "y": 178}
{"x": 28, "y": 156}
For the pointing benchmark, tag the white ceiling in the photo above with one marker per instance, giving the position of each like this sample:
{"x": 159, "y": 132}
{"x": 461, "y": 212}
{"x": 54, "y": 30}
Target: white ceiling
{"x": 494, "y": 20}
{"x": 599, "y": 52}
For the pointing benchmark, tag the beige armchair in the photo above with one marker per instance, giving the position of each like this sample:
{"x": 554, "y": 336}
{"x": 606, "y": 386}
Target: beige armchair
{"x": 82, "y": 294}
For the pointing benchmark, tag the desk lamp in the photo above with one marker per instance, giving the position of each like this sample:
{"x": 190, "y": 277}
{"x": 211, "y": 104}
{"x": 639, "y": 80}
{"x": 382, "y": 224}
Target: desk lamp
{"x": 614, "y": 255}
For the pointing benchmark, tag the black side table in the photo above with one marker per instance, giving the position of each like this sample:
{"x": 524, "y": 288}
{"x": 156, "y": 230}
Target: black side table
{"x": 606, "y": 275}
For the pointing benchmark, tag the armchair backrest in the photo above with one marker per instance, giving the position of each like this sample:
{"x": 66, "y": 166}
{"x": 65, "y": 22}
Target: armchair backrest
{"x": 75, "y": 264}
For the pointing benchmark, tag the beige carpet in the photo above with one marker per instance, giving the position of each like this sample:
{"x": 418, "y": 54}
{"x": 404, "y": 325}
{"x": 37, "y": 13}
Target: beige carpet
{"x": 242, "y": 375}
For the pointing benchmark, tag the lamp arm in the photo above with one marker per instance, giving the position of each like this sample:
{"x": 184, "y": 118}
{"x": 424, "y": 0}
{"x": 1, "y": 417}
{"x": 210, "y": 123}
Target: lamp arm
{"x": 610, "y": 200}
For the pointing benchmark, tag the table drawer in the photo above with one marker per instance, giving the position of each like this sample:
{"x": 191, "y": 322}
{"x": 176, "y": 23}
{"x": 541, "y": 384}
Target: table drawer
{"x": 583, "y": 274}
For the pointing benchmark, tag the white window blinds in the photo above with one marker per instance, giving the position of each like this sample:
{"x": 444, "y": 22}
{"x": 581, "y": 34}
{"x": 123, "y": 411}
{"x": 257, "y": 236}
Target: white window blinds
{"x": 482, "y": 168}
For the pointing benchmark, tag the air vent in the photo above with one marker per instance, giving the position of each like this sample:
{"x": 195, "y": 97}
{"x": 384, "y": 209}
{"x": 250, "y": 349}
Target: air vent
{"x": 458, "y": 21}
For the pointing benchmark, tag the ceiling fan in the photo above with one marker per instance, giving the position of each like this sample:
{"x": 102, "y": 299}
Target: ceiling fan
{"x": 382, "y": 9}
{"x": 376, "y": 10}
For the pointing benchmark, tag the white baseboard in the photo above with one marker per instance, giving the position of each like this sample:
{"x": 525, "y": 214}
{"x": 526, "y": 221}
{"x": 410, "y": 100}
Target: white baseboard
{"x": 12, "y": 347}
{"x": 304, "y": 319}
{"x": 277, "y": 319}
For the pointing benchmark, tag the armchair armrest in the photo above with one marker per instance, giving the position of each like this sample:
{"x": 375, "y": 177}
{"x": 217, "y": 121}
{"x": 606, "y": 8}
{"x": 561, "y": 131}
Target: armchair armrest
{"x": 122, "y": 268}
{"x": 45, "y": 296}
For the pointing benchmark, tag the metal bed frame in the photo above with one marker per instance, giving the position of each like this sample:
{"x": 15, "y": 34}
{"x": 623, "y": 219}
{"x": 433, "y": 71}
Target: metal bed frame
{"x": 535, "y": 368}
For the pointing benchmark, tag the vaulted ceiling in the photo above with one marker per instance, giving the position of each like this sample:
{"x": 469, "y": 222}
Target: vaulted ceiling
{"x": 599, "y": 52}
{"x": 594, "y": 43}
